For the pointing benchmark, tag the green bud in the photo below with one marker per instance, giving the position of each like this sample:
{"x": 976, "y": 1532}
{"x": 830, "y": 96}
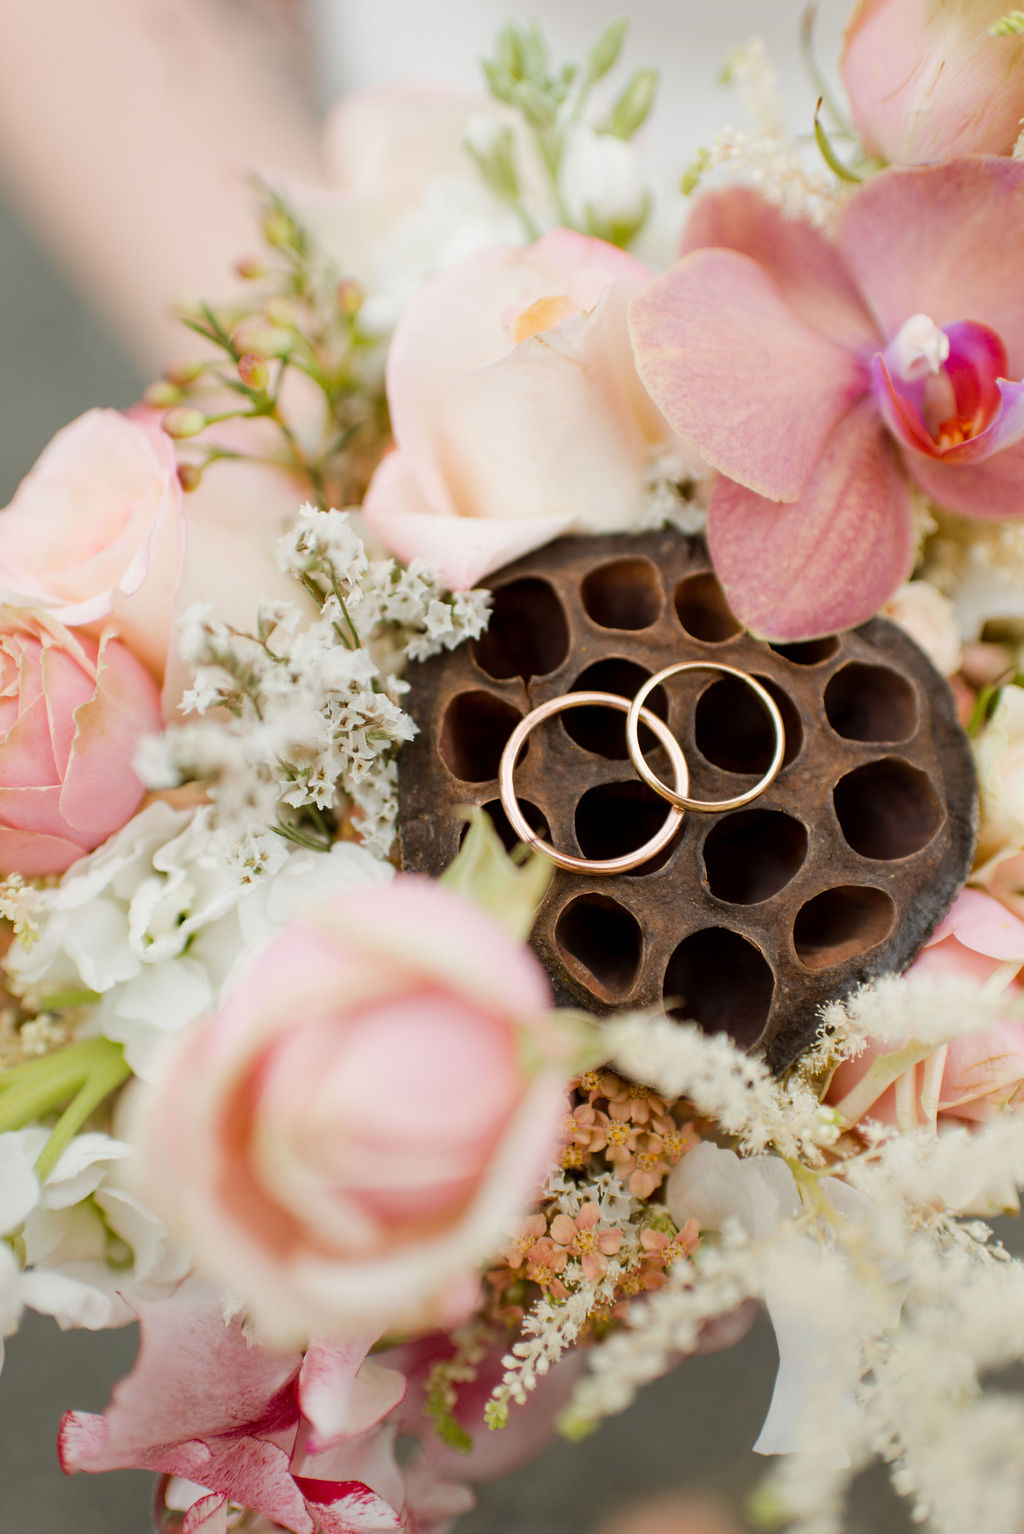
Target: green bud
{"x": 535, "y": 54}
{"x": 253, "y": 370}
{"x": 604, "y": 55}
{"x": 183, "y": 373}
{"x": 350, "y": 297}
{"x": 494, "y": 151}
{"x": 250, "y": 268}
{"x": 538, "y": 109}
{"x": 694, "y": 172}
{"x": 283, "y": 311}
{"x": 509, "y": 50}
{"x": 161, "y": 395}
{"x": 278, "y": 228}
{"x": 631, "y": 110}
{"x": 183, "y": 422}
{"x": 500, "y": 83}
{"x": 263, "y": 340}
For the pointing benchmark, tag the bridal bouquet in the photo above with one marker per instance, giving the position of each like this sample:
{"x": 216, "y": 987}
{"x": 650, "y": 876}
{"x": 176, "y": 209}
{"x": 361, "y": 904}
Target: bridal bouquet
{"x": 294, "y": 1092}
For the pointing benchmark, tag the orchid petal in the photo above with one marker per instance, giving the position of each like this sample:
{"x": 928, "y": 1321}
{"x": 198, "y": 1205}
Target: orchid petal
{"x": 737, "y": 374}
{"x": 831, "y": 560}
{"x": 926, "y": 241}
{"x": 804, "y": 264}
{"x": 991, "y": 486}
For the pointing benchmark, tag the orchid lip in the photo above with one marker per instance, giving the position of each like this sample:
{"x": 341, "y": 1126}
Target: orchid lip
{"x": 944, "y": 392}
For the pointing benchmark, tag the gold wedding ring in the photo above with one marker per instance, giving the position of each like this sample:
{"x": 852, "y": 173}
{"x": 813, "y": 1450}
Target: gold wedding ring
{"x": 677, "y": 796}
{"x": 525, "y": 831}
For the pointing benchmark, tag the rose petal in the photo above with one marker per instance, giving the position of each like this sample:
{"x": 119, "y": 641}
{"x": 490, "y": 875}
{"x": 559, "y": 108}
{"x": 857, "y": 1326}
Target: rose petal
{"x": 458, "y": 322}
{"x": 831, "y": 560}
{"x": 925, "y": 241}
{"x": 464, "y": 549}
{"x": 207, "y": 1516}
{"x": 343, "y": 1393}
{"x": 195, "y": 1375}
{"x": 101, "y": 787}
{"x": 982, "y": 924}
{"x": 804, "y": 264}
{"x": 738, "y": 374}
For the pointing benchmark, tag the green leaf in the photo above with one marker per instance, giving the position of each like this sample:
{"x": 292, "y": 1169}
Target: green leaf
{"x": 604, "y": 55}
{"x": 828, "y": 154}
{"x": 631, "y": 110}
{"x": 509, "y": 888}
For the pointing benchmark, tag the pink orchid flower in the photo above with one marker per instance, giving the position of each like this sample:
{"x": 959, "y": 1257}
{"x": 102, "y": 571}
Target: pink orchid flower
{"x": 299, "y": 1439}
{"x": 825, "y": 377}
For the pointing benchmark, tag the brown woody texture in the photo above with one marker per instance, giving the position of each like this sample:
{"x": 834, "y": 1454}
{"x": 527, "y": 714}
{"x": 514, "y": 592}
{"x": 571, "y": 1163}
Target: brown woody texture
{"x": 752, "y": 918}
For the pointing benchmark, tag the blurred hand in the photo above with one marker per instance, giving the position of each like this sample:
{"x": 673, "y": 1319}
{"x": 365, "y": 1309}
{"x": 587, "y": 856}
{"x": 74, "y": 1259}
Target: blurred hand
{"x": 674, "y": 1513}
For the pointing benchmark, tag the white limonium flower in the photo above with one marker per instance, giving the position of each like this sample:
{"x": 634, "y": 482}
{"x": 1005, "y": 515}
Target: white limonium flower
{"x": 317, "y": 719}
{"x": 154, "y": 922}
{"x": 87, "y": 1240}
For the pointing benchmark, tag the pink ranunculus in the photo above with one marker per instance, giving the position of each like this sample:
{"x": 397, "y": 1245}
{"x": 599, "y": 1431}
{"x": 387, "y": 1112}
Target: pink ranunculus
{"x": 927, "y": 80}
{"x": 371, "y": 1108}
{"x": 72, "y": 711}
{"x": 977, "y": 1073}
{"x": 302, "y": 1440}
{"x": 96, "y": 530}
{"x": 824, "y": 377}
{"x": 516, "y": 408}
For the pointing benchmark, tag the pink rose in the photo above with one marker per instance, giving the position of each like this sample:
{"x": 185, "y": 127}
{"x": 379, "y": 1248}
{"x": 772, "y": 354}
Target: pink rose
{"x": 516, "y": 407}
{"x": 372, "y": 1107}
{"x": 96, "y": 530}
{"x": 975, "y": 1074}
{"x": 72, "y": 711}
{"x": 927, "y": 81}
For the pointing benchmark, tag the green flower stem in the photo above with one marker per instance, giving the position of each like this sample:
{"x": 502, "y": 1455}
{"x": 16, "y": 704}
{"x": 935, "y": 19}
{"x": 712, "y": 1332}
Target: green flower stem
{"x": 41, "y": 1086}
{"x": 106, "y": 1076}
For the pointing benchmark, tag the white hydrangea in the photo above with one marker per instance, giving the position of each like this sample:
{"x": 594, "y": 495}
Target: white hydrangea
{"x": 87, "y": 1239}
{"x": 154, "y": 922}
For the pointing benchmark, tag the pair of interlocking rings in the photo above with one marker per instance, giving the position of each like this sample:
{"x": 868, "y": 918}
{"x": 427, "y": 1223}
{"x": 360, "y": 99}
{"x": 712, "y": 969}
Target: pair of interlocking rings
{"x": 676, "y": 795}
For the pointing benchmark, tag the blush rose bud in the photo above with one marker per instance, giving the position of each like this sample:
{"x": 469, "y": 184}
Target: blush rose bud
{"x": 371, "y": 1109}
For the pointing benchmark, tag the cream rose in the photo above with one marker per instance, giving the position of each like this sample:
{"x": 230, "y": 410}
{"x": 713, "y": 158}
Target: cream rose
{"x": 96, "y": 530}
{"x": 516, "y": 407}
